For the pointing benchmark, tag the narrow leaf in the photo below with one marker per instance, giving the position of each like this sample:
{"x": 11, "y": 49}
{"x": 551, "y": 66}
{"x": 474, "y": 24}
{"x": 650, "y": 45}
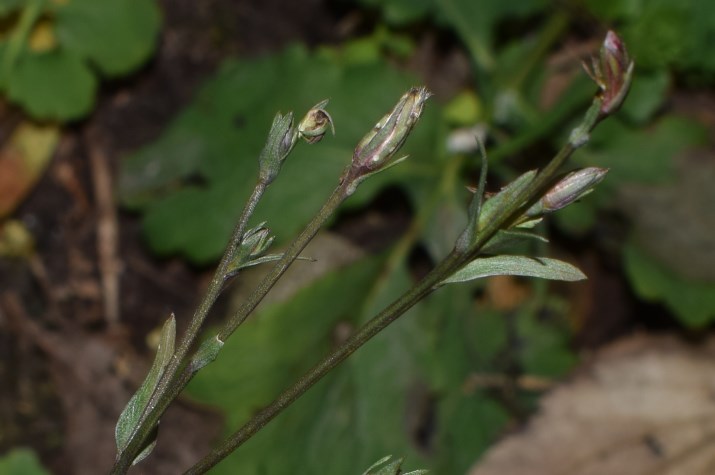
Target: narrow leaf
{"x": 207, "y": 352}
{"x": 541, "y": 267}
{"x": 131, "y": 414}
{"x": 506, "y": 239}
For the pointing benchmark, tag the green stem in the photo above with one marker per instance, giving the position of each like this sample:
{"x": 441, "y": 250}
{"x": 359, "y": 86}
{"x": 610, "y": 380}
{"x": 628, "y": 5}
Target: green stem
{"x": 291, "y": 253}
{"x": 366, "y": 332}
{"x": 165, "y": 391}
{"x": 28, "y": 17}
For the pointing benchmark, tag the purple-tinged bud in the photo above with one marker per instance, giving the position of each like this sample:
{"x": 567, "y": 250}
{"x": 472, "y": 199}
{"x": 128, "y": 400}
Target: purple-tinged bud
{"x": 613, "y": 72}
{"x": 570, "y": 188}
{"x": 377, "y": 148}
{"x": 314, "y": 125}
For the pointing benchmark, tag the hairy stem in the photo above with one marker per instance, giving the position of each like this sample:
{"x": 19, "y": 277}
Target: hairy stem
{"x": 364, "y": 334}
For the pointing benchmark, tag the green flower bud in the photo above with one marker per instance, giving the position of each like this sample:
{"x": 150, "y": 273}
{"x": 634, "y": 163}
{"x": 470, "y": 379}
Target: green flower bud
{"x": 281, "y": 140}
{"x": 313, "y": 126}
{"x": 254, "y": 244}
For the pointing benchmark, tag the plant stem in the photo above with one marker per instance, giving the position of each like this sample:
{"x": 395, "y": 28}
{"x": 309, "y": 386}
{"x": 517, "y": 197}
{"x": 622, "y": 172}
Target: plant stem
{"x": 453, "y": 262}
{"x": 366, "y": 332}
{"x": 163, "y": 395}
{"x": 291, "y": 253}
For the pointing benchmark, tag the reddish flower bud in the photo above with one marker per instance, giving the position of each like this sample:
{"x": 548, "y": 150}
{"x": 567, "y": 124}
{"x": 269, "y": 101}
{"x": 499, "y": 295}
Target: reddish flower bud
{"x": 612, "y": 71}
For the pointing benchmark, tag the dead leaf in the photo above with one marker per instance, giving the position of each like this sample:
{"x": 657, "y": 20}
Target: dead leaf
{"x": 644, "y": 406}
{"x": 22, "y": 161}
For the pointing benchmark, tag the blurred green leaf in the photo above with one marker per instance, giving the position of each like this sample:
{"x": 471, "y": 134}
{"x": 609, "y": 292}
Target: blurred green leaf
{"x": 475, "y": 22}
{"x": 7, "y": 6}
{"x": 21, "y": 462}
{"x": 205, "y": 164}
{"x": 544, "y": 346}
{"x": 692, "y": 302}
{"x": 640, "y": 155}
{"x": 115, "y": 35}
{"x": 662, "y": 33}
{"x": 54, "y": 78}
{"x": 647, "y": 94}
{"x": 56, "y": 85}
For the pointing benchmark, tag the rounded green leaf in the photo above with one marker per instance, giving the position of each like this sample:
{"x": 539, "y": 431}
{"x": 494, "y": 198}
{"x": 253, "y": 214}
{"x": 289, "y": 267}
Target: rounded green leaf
{"x": 53, "y": 85}
{"x": 116, "y": 35}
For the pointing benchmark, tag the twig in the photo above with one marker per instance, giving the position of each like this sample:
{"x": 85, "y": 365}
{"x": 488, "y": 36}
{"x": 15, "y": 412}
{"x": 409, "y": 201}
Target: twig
{"x": 107, "y": 227}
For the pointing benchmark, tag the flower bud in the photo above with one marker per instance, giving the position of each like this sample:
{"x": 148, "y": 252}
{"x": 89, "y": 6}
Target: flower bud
{"x": 313, "y": 126}
{"x": 570, "y": 188}
{"x": 613, "y": 72}
{"x": 255, "y": 242}
{"x": 281, "y": 140}
{"x": 377, "y": 148}
{"x": 253, "y": 246}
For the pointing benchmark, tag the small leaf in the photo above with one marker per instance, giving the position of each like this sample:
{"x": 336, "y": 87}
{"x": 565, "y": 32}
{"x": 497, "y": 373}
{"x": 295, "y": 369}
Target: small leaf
{"x": 131, "y": 414}
{"x": 541, "y": 267}
{"x": 207, "y": 352}
{"x": 387, "y": 466}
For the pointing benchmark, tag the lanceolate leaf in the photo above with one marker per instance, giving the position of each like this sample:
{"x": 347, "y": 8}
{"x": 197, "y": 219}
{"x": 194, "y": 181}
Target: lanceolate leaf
{"x": 135, "y": 407}
{"x": 541, "y": 267}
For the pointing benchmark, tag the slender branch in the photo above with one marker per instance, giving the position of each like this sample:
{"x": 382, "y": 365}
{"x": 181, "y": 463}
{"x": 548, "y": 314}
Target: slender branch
{"x": 291, "y": 253}
{"x": 366, "y": 332}
{"x": 164, "y": 393}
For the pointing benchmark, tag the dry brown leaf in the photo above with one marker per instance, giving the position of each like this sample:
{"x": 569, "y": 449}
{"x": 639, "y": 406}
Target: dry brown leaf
{"x": 644, "y": 406}
{"x": 23, "y": 160}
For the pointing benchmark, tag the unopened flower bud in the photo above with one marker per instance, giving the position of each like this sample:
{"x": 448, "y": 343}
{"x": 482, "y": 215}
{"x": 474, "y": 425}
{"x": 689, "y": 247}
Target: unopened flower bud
{"x": 255, "y": 242}
{"x": 377, "y": 148}
{"x": 253, "y": 246}
{"x": 314, "y": 125}
{"x": 281, "y": 140}
{"x": 570, "y": 188}
{"x": 612, "y": 71}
